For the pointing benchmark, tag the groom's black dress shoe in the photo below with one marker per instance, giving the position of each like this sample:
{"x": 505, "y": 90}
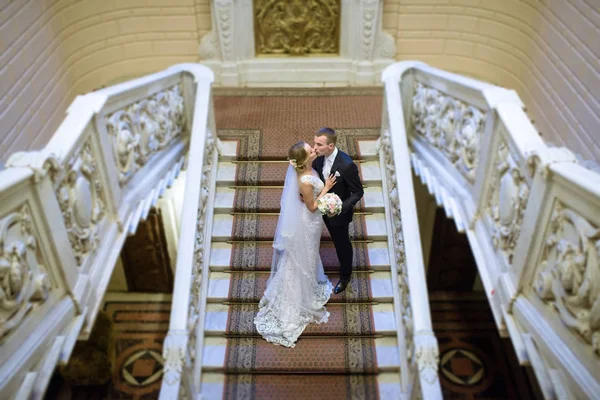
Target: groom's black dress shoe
{"x": 341, "y": 286}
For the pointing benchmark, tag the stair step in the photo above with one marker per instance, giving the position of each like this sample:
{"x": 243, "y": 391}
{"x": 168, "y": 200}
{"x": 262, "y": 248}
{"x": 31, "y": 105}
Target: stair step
{"x": 262, "y": 227}
{"x": 229, "y": 149}
{"x": 380, "y": 287}
{"x": 258, "y": 256}
{"x": 313, "y": 387}
{"x": 343, "y": 320}
{"x": 368, "y": 149}
{"x": 273, "y": 174}
{"x": 259, "y": 199}
{"x": 282, "y": 359}
{"x": 354, "y": 355}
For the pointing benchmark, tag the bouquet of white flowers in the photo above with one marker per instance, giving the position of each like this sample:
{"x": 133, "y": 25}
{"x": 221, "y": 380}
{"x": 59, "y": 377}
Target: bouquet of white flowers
{"x": 330, "y": 204}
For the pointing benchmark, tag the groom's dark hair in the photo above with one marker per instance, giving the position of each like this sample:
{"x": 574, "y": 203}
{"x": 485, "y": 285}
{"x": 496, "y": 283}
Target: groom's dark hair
{"x": 328, "y": 133}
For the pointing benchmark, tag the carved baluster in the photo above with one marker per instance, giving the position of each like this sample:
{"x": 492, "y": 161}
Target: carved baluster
{"x": 144, "y": 128}
{"x": 450, "y": 125}
{"x": 568, "y": 276}
{"x": 24, "y": 281}
{"x": 397, "y": 235}
{"x": 81, "y": 198}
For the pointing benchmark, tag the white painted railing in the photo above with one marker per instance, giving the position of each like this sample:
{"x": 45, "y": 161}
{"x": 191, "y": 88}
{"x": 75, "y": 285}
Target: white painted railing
{"x": 66, "y": 210}
{"x": 183, "y": 346}
{"x": 418, "y": 347}
{"x": 531, "y": 213}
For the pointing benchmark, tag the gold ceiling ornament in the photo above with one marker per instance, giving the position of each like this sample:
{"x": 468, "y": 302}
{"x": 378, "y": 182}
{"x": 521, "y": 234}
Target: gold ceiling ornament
{"x": 297, "y": 27}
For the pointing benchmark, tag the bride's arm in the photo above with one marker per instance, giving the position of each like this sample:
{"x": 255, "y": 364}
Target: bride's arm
{"x": 306, "y": 190}
{"x": 309, "y": 198}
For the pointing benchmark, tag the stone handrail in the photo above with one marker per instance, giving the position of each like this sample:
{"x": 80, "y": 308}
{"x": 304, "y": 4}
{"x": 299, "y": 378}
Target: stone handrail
{"x": 185, "y": 339}
{"x": 415, "y": 333}
{"x": 531, "y": 213}
{"x": 66, "y": 210}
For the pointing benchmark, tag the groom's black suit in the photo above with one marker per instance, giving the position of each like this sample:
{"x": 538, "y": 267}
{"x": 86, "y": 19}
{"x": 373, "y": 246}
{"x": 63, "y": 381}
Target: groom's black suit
{"x": 349, "y": 187}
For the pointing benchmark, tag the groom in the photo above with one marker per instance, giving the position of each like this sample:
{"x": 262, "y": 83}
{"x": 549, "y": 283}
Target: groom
{"x": 331, "y": 161}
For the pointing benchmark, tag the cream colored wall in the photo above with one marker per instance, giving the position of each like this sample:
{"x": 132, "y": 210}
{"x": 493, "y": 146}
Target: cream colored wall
{"x": 547, "y": 50}
{"x": 52, "y": 51}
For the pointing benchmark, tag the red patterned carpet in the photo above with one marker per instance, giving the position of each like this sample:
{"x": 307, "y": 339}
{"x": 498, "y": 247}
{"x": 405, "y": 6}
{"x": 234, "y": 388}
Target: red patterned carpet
{"x": 335, "y": 360}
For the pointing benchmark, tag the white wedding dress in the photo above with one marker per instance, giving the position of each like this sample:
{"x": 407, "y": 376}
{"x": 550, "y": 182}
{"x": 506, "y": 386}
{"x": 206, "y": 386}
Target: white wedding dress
{"x": 298, "y": 288}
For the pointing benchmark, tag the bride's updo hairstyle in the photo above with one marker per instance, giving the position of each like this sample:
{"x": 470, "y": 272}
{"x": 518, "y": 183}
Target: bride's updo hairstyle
{"x": 298, "y": 156}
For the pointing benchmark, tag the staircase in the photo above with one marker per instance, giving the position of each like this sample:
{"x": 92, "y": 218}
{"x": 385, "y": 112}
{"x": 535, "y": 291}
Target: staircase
{"x": 531, "y": 213}
{"x": 354, "y": 355}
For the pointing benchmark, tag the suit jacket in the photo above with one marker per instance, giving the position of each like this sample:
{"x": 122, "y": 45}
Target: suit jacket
{"x": 348, "y": 185}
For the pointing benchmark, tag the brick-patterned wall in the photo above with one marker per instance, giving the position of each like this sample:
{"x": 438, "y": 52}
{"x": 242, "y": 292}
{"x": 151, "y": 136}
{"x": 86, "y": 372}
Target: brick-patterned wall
{"x": 548, "y": 51}
{"x": 51, "y": 51}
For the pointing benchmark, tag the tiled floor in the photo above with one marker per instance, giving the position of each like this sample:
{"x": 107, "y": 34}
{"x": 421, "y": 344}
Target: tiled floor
{"x": 475, "y": 363}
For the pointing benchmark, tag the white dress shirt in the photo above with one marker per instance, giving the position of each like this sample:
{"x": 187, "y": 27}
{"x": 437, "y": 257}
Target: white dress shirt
{"x": 329, "y": 162}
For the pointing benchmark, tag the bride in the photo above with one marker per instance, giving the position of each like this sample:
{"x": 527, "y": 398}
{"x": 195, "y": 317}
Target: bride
{"x": 297, "y": 289}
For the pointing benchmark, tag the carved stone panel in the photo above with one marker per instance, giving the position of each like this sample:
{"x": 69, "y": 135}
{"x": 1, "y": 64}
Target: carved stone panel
{"x": 451, "y": 125}
{"x": 509, "y": 192}
{"x": 81, "y": 199}
{"x": 397, "y": 235}
{"x": 297, "y": 27}
{"x": 24, "y": 282}
{"x": 199, "y": 248}
{"x": 142, "y": 129}
{"x": 568, "y": 276}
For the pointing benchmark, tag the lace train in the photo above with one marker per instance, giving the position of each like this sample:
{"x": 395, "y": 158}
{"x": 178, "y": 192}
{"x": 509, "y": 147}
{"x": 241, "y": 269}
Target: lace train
{"x": 275, "y": 328}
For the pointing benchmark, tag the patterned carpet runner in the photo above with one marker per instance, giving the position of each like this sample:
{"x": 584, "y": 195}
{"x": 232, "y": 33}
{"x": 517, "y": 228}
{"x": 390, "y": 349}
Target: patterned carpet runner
{"x": 264, "y": 199}
{"x": 336, "y": 360}
{"x": 254, "y": 227}
{"x": 251, "y": 256}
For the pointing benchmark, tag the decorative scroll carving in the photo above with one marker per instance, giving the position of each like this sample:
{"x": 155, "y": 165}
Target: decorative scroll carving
{"x": 297, "y": 27}
{"x": 451, "y": 125}
{"x": 225, "y": 23}
{"x": 144, "y": 128}
{"x": 81, "y": 198}
{"x": 211, "y": 147}
{"x": 508, "y": 199}
{"x": 24, "y": 282}
{"x": 174, "y": 356}
{"x": 209, "y": 47}
{"x": 41, "y": 162}
{"x": 386, "y": 46}
{"x": 369, "y": 25}
{"x": 569, "y": 273}
{"x": 397, "y": 234}
{"x": 427, "y": 356}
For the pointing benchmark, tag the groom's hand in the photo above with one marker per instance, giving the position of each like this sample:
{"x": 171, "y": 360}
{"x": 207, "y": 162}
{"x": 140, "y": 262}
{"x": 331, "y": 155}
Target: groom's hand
{"x": 330, "y": 215}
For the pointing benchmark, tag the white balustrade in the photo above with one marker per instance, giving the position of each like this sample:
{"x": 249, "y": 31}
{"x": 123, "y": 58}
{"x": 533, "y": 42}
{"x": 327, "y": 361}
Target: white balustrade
{"x": 182, "y": 349}
{"x": 66, "y": 210}
{"x": 531, "y": 213}
{"x": 417, "y": 343}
